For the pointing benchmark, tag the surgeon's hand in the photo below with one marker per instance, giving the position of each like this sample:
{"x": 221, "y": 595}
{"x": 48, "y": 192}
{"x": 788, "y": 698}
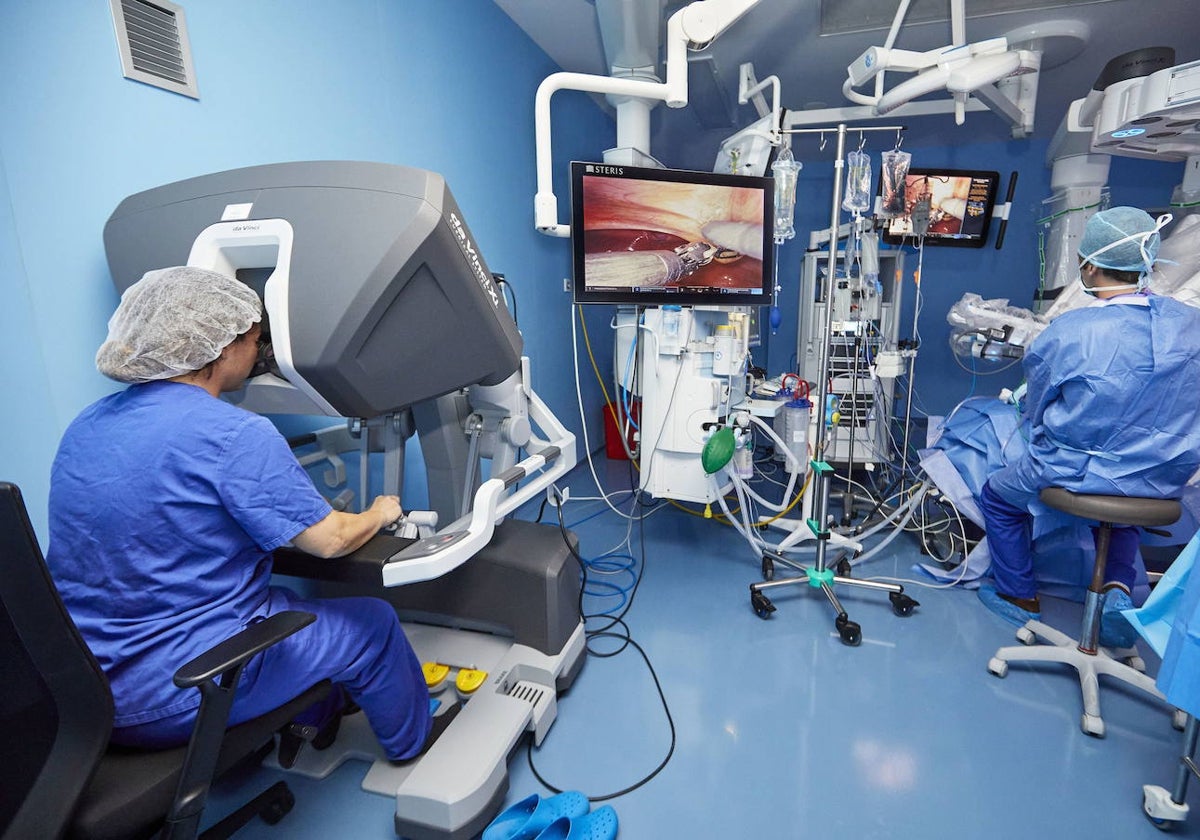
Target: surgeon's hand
{"x": 388, "y": 508}
{"x": 340, "y": 533}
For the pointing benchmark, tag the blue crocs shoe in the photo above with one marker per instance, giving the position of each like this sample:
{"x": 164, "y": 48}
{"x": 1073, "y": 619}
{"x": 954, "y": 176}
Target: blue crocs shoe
{"x": 1004, "y": 608}
{"x": 1115, "y": 629}
{"x": 528, "y": 818}
{"x": 601, "y": 824}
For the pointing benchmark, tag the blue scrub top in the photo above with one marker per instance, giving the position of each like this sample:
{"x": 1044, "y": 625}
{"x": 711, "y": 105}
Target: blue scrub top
{"x": 165, "y": 504}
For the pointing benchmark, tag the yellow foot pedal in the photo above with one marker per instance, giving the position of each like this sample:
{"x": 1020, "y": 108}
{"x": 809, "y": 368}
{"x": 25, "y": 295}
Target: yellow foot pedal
{"x": 468, "y": 681}
{"x": 435, "y": 675}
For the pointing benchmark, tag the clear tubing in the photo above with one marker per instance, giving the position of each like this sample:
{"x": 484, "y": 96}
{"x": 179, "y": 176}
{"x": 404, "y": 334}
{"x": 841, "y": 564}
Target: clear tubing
{"x": 911, "y": 508}
{"x": 772, "y": 505}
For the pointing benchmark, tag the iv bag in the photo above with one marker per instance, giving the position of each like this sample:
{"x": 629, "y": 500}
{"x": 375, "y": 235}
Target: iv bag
{"x": 858, "y": 183}
{"x": 894, "y": 176}
{"x": 785, "y": 169}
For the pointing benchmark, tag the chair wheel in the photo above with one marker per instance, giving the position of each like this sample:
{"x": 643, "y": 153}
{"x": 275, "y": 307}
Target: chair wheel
{"x": 761, "y": 604}
{"x": 1136, "y": 663}
{"x": 843, "y": 568}
{"x": 279, "y": 806}
{"x": 768, "y": 568}
{"x": 850, "y": 632}
{"x": 998, "y": 666}
{"x": 1092, "y": 725}
{"x": 902, "y": 604}
{"x": 1026, "y": 636}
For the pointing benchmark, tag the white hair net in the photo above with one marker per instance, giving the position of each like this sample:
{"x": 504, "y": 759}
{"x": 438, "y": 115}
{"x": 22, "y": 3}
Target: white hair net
{"x": 173, "y": 321}
{"x": 1122, "y": 239}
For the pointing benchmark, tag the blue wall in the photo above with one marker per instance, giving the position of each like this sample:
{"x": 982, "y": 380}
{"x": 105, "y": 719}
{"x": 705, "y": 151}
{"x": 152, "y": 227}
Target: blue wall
{"x": 442, "y": 86}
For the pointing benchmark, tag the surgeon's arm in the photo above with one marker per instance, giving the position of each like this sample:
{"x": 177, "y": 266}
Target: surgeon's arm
{"x": 340, "y": 533}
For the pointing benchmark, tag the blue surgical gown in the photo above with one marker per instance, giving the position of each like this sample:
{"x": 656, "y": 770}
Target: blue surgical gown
{"x": 1113, "y": 402}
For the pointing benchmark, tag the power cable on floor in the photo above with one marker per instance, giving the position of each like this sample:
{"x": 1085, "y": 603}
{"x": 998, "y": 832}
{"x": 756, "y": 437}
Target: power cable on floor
{"x": 614, "y": 627}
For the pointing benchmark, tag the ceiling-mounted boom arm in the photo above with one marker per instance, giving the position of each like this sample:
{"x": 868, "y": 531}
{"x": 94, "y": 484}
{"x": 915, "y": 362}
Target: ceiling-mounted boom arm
{"x": 694, "y": 26}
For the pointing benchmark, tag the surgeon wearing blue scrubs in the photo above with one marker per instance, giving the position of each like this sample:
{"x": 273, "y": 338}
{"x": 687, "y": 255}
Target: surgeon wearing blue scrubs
{"x": 165, "y": 505}
{"x": 1113, "y": 408}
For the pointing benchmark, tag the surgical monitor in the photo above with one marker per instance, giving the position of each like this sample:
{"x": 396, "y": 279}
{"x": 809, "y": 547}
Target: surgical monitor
{"x": 647, "y": 236}
{"x": 959, "y": 202}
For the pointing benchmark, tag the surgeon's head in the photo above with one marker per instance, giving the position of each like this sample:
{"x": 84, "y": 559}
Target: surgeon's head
{"x": 1118, "y": 250}
{"x": 175, "y": 321}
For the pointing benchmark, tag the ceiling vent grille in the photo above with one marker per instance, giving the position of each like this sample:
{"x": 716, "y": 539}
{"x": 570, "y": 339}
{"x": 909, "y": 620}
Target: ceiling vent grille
{"x": 152, "y": 38}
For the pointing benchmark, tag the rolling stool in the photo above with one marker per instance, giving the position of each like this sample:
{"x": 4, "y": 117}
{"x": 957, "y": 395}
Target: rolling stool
{"x": 1086, "y": 655}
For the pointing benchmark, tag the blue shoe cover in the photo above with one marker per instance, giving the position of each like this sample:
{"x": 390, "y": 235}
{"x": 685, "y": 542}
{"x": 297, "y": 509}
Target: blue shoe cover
{"x": 1007, "y": 610}
{"x": 601, "y": 824}
{"x": 1115, "y": 629}
{"x": 527, "y": 818}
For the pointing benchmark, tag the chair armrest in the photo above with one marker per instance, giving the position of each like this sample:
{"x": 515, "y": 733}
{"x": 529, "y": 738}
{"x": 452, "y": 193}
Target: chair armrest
{"x": 239, "y": 648}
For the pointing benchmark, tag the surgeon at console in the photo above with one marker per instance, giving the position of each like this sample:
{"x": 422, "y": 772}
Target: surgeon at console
{"x": 1111, "y": 410}
{"x": 165, "y": 505}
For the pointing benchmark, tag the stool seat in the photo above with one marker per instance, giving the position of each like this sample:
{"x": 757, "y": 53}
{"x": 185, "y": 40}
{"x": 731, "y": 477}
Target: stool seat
{"x": 1119, "y": 510}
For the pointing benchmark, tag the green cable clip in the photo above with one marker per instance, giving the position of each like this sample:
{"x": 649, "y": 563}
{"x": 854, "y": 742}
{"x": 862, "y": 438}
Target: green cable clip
{"x": 820, "y": 467}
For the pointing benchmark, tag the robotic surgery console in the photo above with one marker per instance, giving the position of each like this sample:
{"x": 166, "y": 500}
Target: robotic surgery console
{"x": 375, "y": 292}
{"x": 380, "y": 309}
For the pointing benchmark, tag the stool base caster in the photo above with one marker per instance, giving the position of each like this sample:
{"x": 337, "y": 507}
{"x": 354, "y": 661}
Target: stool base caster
{"x": 1163, "y": 813}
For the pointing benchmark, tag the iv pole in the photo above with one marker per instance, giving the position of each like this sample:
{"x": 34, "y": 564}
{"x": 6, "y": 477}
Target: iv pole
{"x": 819, "y": 576}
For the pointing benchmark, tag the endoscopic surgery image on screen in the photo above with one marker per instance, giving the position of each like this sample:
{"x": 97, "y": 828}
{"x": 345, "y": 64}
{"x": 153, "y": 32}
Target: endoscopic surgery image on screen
{"x": 665, "y": 236}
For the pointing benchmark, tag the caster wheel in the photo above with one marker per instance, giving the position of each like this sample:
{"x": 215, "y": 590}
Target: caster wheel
{"x": 1162, "y": 811}
{"x": 1162, "y": 825}
{"x": 850, "y": 632}
{"x": 1136, "y": 663}
{"x": 279, "y": 807}
{"x": 843, "y": 568}
{"x": 999, "y": 667}
{"x": 902, "y": 605}
{"x": 1092, "y": 725}
{"x": 768, "y": 568}
{"x": 761, "y": 605}
{"x": 1026, "y": 636}
{"x": 1179, "y": 719}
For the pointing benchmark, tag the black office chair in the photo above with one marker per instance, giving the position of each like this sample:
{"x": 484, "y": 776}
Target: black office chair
{"x": 58, "y": 774}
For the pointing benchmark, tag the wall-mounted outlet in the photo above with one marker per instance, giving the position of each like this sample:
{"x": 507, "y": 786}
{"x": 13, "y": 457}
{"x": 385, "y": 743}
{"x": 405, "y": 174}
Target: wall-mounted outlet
{"x": 566, "y": 284}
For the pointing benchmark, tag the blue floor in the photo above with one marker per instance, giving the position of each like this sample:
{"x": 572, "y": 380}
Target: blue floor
{"x": 784, "y": 732}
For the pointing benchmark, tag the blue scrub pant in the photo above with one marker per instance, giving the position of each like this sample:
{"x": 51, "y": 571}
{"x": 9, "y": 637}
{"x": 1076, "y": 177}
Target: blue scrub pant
{"x": 357, "y": 643}
{"x": 1010, "y": 544}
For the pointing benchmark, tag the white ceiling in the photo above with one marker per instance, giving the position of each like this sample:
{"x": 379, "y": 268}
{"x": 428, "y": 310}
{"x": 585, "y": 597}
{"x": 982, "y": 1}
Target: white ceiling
{"x": 782, "y": 38}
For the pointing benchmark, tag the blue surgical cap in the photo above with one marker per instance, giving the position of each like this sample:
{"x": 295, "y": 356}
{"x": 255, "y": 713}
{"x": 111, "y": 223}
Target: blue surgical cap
{"x": 1120, "y": 239}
